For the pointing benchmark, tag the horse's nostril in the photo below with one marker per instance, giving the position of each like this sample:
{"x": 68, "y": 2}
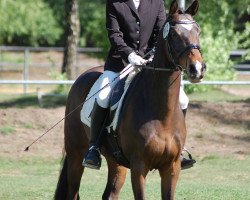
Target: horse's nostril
{"x": 192, "y": 69}
{"x": 204, "y": 66}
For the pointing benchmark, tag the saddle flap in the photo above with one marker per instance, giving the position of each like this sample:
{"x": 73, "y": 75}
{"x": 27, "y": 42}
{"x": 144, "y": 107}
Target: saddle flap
{"x": 117, "y": 93}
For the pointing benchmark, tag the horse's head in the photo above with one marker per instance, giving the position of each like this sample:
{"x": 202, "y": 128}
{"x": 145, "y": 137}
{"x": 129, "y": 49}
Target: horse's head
{"x": 181, "y": 36}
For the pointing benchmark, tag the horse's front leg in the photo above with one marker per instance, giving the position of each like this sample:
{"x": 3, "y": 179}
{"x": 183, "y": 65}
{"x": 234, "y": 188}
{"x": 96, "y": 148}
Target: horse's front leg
{"x": 116, "y": 179}
{"x": 169, "y": 177}
{"x": 138, "y": 178}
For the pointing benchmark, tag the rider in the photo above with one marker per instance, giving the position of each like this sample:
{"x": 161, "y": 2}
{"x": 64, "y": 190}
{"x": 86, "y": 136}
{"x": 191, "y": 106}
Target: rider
{"x": 132, "y": 29}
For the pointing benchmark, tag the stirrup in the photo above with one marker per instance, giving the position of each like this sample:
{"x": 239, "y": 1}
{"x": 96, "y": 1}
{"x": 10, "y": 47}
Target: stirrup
{"x": 187, "y": 163}
{"x": 93, "y": 158}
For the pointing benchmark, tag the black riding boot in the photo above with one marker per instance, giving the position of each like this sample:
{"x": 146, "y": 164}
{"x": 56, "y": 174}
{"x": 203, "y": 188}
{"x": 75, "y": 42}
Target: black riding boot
{"x": 93, "y": 157}
{"x": 186, "y": 162}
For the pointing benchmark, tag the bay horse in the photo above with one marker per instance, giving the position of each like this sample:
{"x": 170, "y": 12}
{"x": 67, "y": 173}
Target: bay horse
{"x": 152, "y": 129}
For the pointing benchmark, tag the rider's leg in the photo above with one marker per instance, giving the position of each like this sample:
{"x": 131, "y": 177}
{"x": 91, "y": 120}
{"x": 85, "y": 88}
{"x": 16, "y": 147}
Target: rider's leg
{"x": 98, "y": 117}
{"x": 185, "y": 162}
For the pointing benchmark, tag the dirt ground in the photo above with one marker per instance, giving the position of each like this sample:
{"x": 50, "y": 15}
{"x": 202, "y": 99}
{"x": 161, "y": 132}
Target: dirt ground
{"x": 213, "y": 129}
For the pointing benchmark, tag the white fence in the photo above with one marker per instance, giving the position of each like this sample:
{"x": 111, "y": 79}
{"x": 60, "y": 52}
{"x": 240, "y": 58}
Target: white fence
{"x": 25, "y": 82}
{"x": 23, "y": 67}
{"x": 70, "y": 82}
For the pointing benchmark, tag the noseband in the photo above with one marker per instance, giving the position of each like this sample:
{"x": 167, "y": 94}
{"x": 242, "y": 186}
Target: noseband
{"x": 188, "y": 48}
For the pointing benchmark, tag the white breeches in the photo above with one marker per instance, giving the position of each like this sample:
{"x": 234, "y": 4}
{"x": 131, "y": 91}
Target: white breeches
{"x": 103, "y": 96}
{"x": 107, "y": 78}
{"x": 183, "y": 99}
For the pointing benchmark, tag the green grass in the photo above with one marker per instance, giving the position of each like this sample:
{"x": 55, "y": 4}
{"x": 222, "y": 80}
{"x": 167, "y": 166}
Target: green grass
{"x": 212, "y": 178}
{"x": 218, "y": 96}
{"x": 18, "y": 101}
{"x": 22, "y": 101}
{"x": 28, "y": 178}
{"x": 28, "y": 126}
{"x": 7, "y": 130}
{"x": 9, "y": 57}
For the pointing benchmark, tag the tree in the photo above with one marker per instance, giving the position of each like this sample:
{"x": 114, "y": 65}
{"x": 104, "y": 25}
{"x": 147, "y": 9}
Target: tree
{"x": 28, "y": 23}
{"x": 72, "y": 31}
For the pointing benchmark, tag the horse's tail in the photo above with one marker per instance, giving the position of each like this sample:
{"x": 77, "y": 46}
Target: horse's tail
{"x": 62, "y": 185}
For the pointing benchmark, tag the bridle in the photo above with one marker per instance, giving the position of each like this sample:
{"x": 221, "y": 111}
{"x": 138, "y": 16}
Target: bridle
{"x": 188, "y": 48}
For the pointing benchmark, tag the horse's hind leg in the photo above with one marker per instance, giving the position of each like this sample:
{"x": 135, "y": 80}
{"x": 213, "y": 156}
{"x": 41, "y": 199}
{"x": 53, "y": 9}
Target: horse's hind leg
{"x": 76, "y": 143}
{"x": 116, "y": 179}
{"x": 75, "y": 171}
{"x": 169, "y": 177}
{"x": 69, "y": 180}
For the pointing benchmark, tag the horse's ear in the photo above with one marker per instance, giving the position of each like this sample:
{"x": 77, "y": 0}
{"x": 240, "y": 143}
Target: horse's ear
{"x": 193, "y": 8}
{"x": 173, "y": 8}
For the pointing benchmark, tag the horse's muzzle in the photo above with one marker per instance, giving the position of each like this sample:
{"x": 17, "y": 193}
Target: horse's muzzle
{"x": 196, "y": 71}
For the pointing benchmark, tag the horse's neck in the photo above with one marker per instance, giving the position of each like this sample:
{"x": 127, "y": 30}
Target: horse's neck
{"x": 162, "y": 90}
{"x": 165, "y": 85}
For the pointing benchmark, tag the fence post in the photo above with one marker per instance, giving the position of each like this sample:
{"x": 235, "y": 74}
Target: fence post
{"x": 182, "y": 4}
{"x": 26, "y": 70}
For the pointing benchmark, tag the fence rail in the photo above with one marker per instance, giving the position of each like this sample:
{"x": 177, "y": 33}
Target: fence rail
{"x": 44, "y": 49}
{"x": 70, "y": 82}
{"x": 241, "y": 68}
{"x": 25, "y": 66}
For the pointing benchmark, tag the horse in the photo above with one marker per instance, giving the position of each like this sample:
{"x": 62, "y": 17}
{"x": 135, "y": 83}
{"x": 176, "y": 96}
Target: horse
{"x": 152, "y": 130}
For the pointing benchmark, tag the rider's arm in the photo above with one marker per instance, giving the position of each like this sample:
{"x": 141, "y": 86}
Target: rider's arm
{"x": 161, "y": 18}
{"x": 114, "y": 33}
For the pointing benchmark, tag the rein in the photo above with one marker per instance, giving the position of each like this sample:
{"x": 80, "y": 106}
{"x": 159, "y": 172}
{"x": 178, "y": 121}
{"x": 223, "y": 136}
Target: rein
{"x": 178, "y": 68}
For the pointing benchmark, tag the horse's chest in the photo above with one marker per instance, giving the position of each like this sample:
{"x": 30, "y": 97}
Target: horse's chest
{"x": 158, "y": 139}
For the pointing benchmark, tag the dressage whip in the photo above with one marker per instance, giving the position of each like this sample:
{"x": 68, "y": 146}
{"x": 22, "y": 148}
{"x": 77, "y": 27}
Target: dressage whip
{"x": 127, "y": 69}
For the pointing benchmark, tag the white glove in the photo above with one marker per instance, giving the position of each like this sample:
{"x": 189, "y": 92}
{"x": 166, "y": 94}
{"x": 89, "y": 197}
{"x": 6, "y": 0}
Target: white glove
{"x": 134, "y": 59}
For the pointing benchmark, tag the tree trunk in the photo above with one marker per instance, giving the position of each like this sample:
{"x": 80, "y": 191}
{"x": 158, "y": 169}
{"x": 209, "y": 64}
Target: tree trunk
{"x": 72, "y": 30}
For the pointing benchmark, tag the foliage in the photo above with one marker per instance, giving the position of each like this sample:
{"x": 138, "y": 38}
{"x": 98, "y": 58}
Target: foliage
{"x": 217, "y": 95}
{"x": 28, "y": 23}
{"x": 218, "y": 38}
{"x": 93, "y": 27}
{"x": 58, "y": 7}
{"x": 56, "y": 75}
{"x": 245, "y": 41}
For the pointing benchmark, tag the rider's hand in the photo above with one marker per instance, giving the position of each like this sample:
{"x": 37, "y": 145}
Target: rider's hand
{"x": 134, "y": 59}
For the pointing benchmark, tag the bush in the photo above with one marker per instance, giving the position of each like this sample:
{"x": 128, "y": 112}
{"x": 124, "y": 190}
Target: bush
{"x": 93, "y": 27}
{"x": 56, "y": 75}
{"x": 217, "y": 40}
{"x": 29, "y": 22}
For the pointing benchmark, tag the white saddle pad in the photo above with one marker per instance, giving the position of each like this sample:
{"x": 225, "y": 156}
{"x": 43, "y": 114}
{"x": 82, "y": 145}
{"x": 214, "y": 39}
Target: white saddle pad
{"x": 88, "y": 105}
